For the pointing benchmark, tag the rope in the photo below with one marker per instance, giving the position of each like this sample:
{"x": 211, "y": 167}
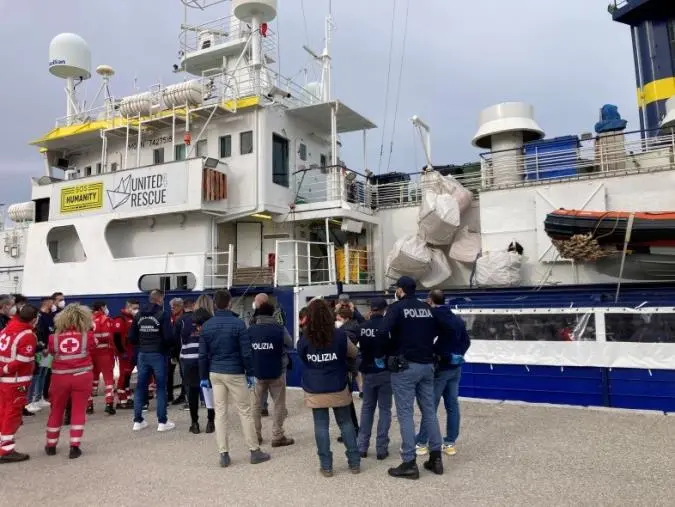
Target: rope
{"x": 400, "y": 80}
{"x": 386, "y": 94}
{"x": 580, "y": 248}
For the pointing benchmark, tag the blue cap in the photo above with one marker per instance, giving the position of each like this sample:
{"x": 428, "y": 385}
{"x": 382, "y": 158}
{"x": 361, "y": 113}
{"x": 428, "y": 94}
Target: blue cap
{"x": 378, "y": 304}
{"x": 407, "y": 284}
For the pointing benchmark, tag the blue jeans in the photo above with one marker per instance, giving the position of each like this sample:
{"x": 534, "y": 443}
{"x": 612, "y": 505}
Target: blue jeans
{"x": 322, "y": 436}
{"x": 151, "y": 363}
{"x": 446, "y": 385}
{"x": 417, "y": 382}
{"x": 376, "y": 393}
{"x": 37, "y": 385}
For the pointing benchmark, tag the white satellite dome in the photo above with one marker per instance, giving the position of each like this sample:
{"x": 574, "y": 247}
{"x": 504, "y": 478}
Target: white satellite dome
{"x": 246, "y": 10}
{"x": 69, "y": 57}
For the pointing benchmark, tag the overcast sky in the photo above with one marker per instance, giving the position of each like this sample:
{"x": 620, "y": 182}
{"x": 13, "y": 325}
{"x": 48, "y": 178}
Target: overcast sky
{"x": 565, "y": 58}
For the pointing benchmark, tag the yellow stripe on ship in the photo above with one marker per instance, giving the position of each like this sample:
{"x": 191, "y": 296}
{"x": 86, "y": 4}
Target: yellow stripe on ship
{"x": 661, "y": 89}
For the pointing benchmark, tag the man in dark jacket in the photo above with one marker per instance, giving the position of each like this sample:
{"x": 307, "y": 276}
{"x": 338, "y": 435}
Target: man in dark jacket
{"x": 6, "y": 305}
{"x": 226, "y": 364}
{"x": 452, "y": 343}
{"x": 151, "y": 336}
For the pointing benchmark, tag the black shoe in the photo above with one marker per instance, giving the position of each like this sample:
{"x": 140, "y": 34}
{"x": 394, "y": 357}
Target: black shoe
{"x": 210, "y": 427}
{"x": 109, "y": 409}
{"x": 26, "y": 413}
{"x": 364, "y": 454}
{"x": 283, "y": 442}
{"x": 194, "y": 429}
{"x": 406, "y": 470}
{"x": 383, "y": 455}
{"x": 178, "y": 401}
{"x": 14, "y": 457}
{"x": 74, "y": 453}
{"x": 50, "y": 450}
{"x": 340, "y": 439}
{"x": 264, "y": 412}
{"x": 90, "y": 409}
{"x": 435, "y": 463}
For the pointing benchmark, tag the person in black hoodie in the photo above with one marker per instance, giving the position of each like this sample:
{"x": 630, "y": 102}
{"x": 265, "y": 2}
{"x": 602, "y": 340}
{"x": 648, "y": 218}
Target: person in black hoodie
{"x": 345, "y": 319}
{"x": 6, "y": 305}
{"x": 43, "y": 328}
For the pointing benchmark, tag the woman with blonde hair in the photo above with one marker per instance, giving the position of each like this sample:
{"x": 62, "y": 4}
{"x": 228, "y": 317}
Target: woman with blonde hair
{"x": 206, "y": 302}
{"x": 71, "y": 345}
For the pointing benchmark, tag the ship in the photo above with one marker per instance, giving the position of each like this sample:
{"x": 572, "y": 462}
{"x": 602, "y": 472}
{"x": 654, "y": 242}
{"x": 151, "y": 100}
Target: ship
{"x": 232, "y": 177}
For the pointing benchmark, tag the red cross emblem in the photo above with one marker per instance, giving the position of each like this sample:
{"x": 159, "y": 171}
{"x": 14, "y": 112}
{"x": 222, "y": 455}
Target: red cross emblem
{"x": 4, "y": 342}
{"x": 69, "y": 345}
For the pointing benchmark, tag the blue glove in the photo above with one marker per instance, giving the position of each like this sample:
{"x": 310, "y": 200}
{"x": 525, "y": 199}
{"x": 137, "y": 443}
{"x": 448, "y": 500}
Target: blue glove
{"x": 205, "y": 384}
{"x": 457, "y": 359}
{"x": 250, "y": 380}
{"x": 379, "y": 362}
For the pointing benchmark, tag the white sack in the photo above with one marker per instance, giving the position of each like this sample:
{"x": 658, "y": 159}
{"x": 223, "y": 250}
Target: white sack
{"x": 440, "y": 269}
{"x": 466, "y": 246}
{"x": 410, "y": 256}
{"x": 438, "y": 218}
{"x": 448, "y": 185}
{"x": 498, "y": 269}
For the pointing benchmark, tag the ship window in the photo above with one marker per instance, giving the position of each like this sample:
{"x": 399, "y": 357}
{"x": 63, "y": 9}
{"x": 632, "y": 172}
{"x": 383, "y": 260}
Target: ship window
{"x": 551, "y": 327}
{"x": 98, "y": 168}
{"x": 179, "y": 152}
{"x": 640, "y": 327}
{"x": 158, "y": 156}
{"x": 302, "y": 151}
{"x": 246, "y": 142}
{"x": 323, "y": 161}
{"x": 42, "y": 210}
{"x": 280, "y": 170}
{"x": 202, "y": 148}
{"x": 167, "y": 281}
{"x": 113, "y": 167}
{"x": 87, "y": 171}
{"x": 64, "y": 245}
{"x": 225, "y": 146}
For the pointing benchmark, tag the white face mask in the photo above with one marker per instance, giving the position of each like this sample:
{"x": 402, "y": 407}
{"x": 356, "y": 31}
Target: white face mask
{"x": 54, "y": 308}
{"x": 62, "y": 304}
{"x": 106, "y": 311}
{"x": 338, "y": 324}
{"x": 254, "y": 306}
{"x": 134, "y": 311}
{"x": 12, "y": 310}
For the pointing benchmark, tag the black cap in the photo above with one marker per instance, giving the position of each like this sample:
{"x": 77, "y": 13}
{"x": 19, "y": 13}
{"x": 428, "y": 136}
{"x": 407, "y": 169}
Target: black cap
{"x": 407, "y": 284}
{"x": 378, "y": 304}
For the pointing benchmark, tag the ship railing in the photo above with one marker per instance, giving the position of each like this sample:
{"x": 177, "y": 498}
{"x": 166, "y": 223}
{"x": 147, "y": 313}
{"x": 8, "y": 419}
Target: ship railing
{"x": 219, "y": 268}
{"x": 106, "y": 112}
{"x": 599, "y": 156}
{"x": 221, "y": 31}
{"x": 304, "y": 263}
{"x": 354, "y": 266}
{"x": 618, "y": 4}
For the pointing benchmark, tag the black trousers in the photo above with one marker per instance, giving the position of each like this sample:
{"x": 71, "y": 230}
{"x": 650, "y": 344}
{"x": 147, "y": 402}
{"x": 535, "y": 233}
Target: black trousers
{"x": 170, "y": 383}
{"x": 355, "y": 419}
{"x": 193, "y": 402}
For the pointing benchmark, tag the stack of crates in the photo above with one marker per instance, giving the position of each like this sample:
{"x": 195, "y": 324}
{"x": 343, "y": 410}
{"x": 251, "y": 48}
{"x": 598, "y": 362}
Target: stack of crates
{"x": 358, "y": 266}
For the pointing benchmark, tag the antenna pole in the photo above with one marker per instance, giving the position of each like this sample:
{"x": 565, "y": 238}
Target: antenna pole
{"x": 326, "y": 58}
{"x": 70, "y": 100}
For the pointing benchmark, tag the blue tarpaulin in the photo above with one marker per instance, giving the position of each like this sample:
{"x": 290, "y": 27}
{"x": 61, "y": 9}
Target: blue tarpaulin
{"x": 610, "y": 120}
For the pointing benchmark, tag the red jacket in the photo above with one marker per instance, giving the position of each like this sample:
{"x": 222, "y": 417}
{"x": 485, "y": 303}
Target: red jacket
{"x": 17, "y": 352}
{"x": 72, "y": 352}
{"x": 103, "y": 332}
{"x": 121, "y": 326}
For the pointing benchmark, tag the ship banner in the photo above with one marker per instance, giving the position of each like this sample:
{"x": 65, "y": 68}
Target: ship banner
{"x": 134, "y": 191}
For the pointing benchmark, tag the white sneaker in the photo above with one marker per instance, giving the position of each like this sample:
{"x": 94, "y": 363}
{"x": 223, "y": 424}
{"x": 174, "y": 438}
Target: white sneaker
{"x": 33, "y": 407}
{"x": 138, "y": 426}
{"x": 421, "y": 450}
{"x": 167, "y": 426}
{"x": 449, "y": 449}
{"x": 44, "y": 404}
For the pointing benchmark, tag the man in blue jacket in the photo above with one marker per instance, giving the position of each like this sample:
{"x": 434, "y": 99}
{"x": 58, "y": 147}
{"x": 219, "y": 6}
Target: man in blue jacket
{"x": 226, "y": 364}
{"x": 450, "y": 347}
{"x": 152, "y": 338}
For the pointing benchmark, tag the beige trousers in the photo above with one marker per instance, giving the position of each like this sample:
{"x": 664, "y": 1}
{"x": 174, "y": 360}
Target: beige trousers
{"x": 277, "y": 391}
{"x": 225, "y": 385}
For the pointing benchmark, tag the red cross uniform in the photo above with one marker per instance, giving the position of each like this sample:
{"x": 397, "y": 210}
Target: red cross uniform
{"x": 17, "y": 358}
{"x": 103, "y": 357}
{"x": 71, "y": 383}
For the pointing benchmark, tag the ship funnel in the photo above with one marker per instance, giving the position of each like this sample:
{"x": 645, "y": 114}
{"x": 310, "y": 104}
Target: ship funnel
{"x": 503, "y": 129}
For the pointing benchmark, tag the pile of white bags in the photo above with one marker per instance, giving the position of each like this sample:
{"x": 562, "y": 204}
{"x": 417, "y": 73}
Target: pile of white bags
{"x": 466, "y": 246}
{"x": 498, "y": 269}
{"x": 410, "y": 256}
{"x": 440, "y": 269}
{"x": 438, "y": 218}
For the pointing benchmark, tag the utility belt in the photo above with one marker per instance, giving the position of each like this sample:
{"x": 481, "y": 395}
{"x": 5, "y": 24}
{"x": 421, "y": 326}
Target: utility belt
{"x": 397, "y": 364}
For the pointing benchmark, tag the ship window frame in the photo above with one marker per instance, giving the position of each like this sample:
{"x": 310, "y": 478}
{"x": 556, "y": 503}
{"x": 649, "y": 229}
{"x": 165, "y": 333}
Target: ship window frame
{"x": 99, "y": 167}
{"x": 302, "y": 152}
{"x": 158, "y": 159}
{"x": 246, "y": 143}
{"x": 225, "y": 146}
{"x": 168, "y": 281}
{"x": 87, "y": 171}
{"x": 281, "y": 175}
{"x": 113, "y": 167}
{"x": 179, "y": 152}
{"x": 56, "y": 256}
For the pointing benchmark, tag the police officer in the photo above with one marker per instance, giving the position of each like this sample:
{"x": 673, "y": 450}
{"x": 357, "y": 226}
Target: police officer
{"x": 151, "y": 336}
{"x": 374, "y": 345}
{"x": 413, "y": 328}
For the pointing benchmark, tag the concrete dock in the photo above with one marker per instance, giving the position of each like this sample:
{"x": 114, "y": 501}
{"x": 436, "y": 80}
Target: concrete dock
{"x": 510, "y": 455}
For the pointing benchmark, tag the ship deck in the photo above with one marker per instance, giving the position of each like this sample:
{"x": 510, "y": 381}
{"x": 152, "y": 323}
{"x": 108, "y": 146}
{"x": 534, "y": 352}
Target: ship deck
{"x": 509, "y": 454}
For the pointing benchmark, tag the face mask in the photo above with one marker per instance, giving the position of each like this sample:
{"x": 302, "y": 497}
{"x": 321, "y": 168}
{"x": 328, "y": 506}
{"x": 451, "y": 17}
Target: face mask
{"x": 134, "y": 311}
{"x": 12, "y": 310}
{"x": 254, "y": 306}
{"x": 338, "y": 324}
{"x": 62, "y": 304}
{"x": 106, "y": 311}
{"x": 54, "y": 308}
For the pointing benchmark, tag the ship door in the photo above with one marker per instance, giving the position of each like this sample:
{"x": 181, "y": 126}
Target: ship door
{"x": 249, "y": 244}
